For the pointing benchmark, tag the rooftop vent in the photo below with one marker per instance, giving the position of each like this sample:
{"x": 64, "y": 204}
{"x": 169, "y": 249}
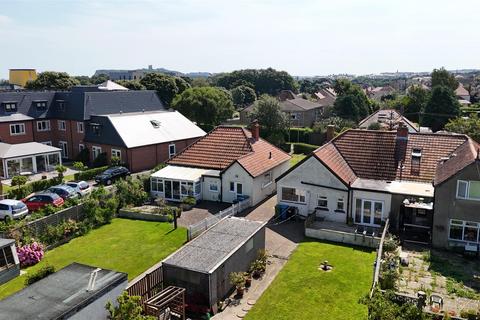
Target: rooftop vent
{"x": 155, "y": 123}
{"x": 93, "y": 278}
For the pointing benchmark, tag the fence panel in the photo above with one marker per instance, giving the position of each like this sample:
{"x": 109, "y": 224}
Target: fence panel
{"x": 148, "y": 286}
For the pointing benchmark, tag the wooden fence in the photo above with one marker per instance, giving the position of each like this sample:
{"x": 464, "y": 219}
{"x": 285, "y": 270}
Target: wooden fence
{"x": 148, "y": 286}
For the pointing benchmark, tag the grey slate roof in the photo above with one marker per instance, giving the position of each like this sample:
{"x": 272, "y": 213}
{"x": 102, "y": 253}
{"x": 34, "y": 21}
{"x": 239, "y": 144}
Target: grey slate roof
{"x": 214, "y": 245}
{"x": 81, "y": 102}
{"x": 298, "y": 104}
{"x": 59, "y": 295}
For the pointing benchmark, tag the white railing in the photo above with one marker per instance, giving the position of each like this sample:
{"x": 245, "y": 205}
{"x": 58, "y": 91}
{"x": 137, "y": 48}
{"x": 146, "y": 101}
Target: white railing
{"x": 194, "y": 230}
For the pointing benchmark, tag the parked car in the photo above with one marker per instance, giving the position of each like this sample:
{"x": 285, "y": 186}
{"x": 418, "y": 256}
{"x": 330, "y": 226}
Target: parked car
{"x": 12, "y": 209}
{"x": 81, "y": 187}
{"x": 64, "y": 191}
{"x": 108, "y": 176}
{"x": 40, "y": 200}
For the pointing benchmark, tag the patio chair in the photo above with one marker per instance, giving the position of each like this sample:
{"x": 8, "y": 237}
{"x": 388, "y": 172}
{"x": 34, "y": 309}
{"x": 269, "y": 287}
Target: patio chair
{"x": 436, "y": 302}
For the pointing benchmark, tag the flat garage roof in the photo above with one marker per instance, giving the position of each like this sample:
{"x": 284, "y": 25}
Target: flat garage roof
{"x": 24, "y": 149}
{"x": 59, "y": 293}
{"x": 215, "y": 245}
{"x": 184, "y": 173}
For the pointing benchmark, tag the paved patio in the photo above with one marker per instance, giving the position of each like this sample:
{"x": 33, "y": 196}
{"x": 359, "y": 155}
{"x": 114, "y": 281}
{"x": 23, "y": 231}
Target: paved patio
{"x": 202, "y": 210}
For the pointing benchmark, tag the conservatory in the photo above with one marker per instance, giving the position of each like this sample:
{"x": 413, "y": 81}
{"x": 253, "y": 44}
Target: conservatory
{"x": 27, "y": 158}
{"x": 174, "y": 183}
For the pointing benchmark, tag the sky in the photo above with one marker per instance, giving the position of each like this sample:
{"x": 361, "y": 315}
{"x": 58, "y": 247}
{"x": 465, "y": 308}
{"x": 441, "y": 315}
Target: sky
{"x": 304, "y": 37}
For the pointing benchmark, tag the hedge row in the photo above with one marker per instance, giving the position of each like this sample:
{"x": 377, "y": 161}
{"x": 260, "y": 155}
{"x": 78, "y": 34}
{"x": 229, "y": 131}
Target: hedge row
{"x": 298, "y": 135}
{"x": 90, "y": 173}
{"x": 25, "y": 190}
{"x": 304, "y": 148}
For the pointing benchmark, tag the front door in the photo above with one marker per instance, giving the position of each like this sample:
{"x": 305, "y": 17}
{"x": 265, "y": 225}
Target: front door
{"x": 239, "y": 189}
{"x": 368, "y": 212}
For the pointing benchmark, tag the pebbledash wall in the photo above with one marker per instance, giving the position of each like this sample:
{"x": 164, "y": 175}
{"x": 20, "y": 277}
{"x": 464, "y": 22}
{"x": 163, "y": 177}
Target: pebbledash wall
{"x": 144, "y": 157}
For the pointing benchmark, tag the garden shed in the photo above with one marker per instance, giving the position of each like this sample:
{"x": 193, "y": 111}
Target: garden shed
{"x": 203, "y": 265}
{"x": 9, "y": 263}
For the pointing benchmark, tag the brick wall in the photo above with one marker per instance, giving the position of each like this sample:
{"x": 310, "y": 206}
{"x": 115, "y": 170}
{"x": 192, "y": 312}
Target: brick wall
{"x": 7, "y": 138}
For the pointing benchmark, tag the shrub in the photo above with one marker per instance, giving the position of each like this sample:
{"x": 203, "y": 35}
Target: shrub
{"x": 100, "y": 160}
{"x": 30, "y": 254}
{"x": 90, "y": 173}
{"x": 115, "y": 161}
{"x": 390, "y": 244}
{"x": 128, "y": 308}
{"x": 40, "y": 274}
{"x": 78, "y": 165}
{"x": 191, "y": 201}
{"x": 99, "y": 207}
{"x": 61, "y": 170}
{"x": 303, "y": 148}
{"x": 298, "y": 135}
{"x": 25, "y": 190}
{"x": 83, "y": 156}
{"x": 374, "y": 126}
{"x": 130, "y": 192}
{"x": 19, "y": 180}
{"x": 237, "y": 279}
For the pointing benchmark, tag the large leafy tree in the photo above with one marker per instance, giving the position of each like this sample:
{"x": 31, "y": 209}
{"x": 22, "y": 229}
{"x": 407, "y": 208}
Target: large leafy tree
{"x": 273, "y": 121}
{"x": 205, "y": 105}
{"x": 165, "y": 86}
{"x": 243, "y": 95}
{"x": 182, "y": 84}
{"x": 441, "y": 77}
{"x": 415, "y": 102}
{"x": 101, "y": 78}
{"x": 469, "y": 126}
{"x": 131, "y": 84}
{"x": 441, "y": 107}
{"x": 351, "y": 103}
{"x": 269, "y": 81}
{"x": 51, "y": 80}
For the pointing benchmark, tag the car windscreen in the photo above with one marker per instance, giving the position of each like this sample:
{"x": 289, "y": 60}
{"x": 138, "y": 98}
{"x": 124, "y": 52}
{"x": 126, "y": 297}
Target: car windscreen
{"x": 18, "y": 205}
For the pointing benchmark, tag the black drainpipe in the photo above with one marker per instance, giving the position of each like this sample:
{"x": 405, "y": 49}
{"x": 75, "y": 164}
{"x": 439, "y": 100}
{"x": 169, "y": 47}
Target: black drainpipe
{"x": 349, "y": 211}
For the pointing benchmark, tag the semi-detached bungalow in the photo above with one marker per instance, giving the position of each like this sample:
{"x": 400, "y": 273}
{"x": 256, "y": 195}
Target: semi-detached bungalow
{"x": 228, "y": 164}
{"x": 427, "y": 184}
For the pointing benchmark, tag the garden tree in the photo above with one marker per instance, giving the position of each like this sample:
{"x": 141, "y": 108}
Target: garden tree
{"x": 340, "y": 124}
{"x": 441, "y": 107}
{"x": 51, "y": 80}
{"x": 204, "y": 105}
{"x": 415, "y": 102}
{"x": 441, "y": 77}
{"x": 200, "y": 82}
{"x": 101, "y": 78}
{"x": 274, "y": 123}
{"x": 269, "y": 81}
{"x": 60, "y": 170}
{"x": 99, "y": 207}
{"x": 165, "y": 86}
{"x": 469, "y": 126}
{"x": 131, "y": 84}
{"x": 130, "y": 192}
{"x": 312, "y": 86}
{"x": 84, "y": 80}
{"x": 352, "y": 103}
{"x": 243, "y": 95}
{"x": 182, "y": 84}
{"x": 128, "y": 308}
{"x": 382, "y": 306}
{"x": 83, "y": 156}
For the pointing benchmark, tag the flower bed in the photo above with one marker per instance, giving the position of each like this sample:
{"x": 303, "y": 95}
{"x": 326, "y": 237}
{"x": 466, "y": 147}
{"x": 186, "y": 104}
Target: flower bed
{"x": 150, "y": 213}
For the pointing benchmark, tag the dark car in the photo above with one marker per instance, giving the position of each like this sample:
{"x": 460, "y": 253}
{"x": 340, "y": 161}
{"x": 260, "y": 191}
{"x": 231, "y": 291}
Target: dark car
{"x": 108, "y": 176}
{"x": 64, "y": 191}
{"x": 40, "y": 200}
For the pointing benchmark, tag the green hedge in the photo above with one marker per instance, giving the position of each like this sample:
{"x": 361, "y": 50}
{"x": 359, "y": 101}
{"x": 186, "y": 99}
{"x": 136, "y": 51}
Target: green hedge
{"x": 90, "y": 173}
{"x": 298, "y": 135}
{"x": 25, "y": 190}
{"x": 43, "y": 272}
{"x": 304, "y": 148}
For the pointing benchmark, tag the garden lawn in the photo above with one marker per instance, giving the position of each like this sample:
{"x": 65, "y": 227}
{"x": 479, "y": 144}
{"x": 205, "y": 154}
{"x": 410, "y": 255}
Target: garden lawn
{"x": 130, "y": 246}
{"x": 296, "y": 158}
{"x": 301, "y": 291}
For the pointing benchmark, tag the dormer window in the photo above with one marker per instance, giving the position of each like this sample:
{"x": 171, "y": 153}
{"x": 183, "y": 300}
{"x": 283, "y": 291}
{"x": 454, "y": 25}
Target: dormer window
{"x": 416, "y": 152}
{"x": 96, "y": 129}
{"x": 10, "y": 106}
{"x": 416, "y": 158}
{"x": 40, "y": 105}
{"x": 61, "y": 104}
{"x": 155, "y": 123}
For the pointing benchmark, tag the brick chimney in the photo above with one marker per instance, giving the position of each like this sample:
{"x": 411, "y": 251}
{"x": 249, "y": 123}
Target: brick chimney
{"x": 330, "y": 132}
{"x": 401, "y": 141}
{"x": 255, "y": 129}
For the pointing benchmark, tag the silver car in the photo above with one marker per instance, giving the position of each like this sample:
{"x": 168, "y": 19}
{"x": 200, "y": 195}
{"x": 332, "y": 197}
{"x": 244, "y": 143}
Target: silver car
{"x": 81, "y": 187}
{"x": 12, "y": 209}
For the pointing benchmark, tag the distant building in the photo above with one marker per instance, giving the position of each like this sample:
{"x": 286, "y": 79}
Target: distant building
{"x": 20, "y": 77}
{"x": 462, "y": 95}
{"x": 325, "y": 96}
{"x": 388, "y": 120}
{"x": 376, "y": 93}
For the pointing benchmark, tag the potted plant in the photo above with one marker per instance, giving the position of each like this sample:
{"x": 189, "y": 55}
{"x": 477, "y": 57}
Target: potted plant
{"x": 188, "y": 203}
{"x": 238, "y": 280}
{"x": 257, "y": 268}
{"x": 248, "y": 279}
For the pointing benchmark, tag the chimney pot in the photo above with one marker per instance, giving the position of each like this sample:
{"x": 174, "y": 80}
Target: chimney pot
{"x": 330, "y": 132}
{"x": 255, "y": 128}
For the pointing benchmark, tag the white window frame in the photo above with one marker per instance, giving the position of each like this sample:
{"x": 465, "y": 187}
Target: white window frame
{"x": 372, "y": 213}
{"x": 41, "y": 105}
{"x": 268, "y": 180}
{"x": 321, "y": 197}
{"x": 62, "y": 126}
{"x": 40, "y": 124}
{"x": 154, "y": 181}
{"x": 80, "y": 127}
{"x": 170, "y": 154}
{"x": 96, "y": 149}
{"x": 64, "y": 152}
{"x": 10, "y": 104}
{"x": 298, "y": 192}
{"x": 210, "y": 187}
{"x": 341, "y": 200}
{"x": 467, "y": 190}
{"x": 463, "y": 226}
{"x": 21, "y": 127}
{"x": 116, "y": 153}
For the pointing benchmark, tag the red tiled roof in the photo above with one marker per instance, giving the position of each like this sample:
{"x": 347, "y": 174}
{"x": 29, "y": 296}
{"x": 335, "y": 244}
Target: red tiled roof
{"x": 374, "y": 154}
{"x": 465, "y": 155}
{"x": 224, "y": 145}
{"x": 330, "y": 156}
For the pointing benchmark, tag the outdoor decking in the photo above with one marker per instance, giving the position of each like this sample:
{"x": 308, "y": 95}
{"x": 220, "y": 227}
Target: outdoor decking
{"x": 342, "y": 233}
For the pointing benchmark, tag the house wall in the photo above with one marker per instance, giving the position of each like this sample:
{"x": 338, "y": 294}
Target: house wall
{"x": 260, "y": 190}
{"x": 447, "y": 206}
{"x": 236, "y": 174}
{"x": 211, "y": 195}
{"x": 12, "y": 139}
{"x": 96, "y": 309}
{"x": 314, "y": 172}
{"x": 369, "y": 195}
